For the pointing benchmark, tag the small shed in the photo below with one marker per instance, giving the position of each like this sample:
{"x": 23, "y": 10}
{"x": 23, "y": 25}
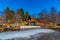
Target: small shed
{"x": 32, "y": 22}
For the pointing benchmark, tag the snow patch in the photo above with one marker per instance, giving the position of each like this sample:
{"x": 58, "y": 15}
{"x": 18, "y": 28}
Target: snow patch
{"x": 25, "y": 33}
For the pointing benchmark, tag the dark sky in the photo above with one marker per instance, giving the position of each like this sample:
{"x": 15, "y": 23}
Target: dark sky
{"x": 32, "y": 6}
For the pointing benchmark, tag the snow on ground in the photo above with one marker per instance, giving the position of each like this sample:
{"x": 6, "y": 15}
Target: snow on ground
{"x": 25, "y": 33}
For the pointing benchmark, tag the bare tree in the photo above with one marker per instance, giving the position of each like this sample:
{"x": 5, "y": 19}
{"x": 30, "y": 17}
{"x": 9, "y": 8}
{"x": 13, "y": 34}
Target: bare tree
{"x": 58, "y": 18}
{"x": 53, "y": 15}
{"x": 43, "y": 14}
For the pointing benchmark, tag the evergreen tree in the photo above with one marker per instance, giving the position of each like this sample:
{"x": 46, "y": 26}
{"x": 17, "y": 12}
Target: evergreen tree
{"x": 27, "y": 16}
{"x": 9, "y": 14}
{"x": 21, "y": 13}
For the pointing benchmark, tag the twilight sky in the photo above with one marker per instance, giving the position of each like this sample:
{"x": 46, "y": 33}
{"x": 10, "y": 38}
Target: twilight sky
{"x": 32, "y": 6}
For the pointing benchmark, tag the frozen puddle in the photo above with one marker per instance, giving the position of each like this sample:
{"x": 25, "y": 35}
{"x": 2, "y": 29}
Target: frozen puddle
{"x": 22, "y": 34}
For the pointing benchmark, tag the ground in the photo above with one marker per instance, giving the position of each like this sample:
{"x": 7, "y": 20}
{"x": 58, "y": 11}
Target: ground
{"x": 34, "y": 34}
{"x": 42, "y": 36}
